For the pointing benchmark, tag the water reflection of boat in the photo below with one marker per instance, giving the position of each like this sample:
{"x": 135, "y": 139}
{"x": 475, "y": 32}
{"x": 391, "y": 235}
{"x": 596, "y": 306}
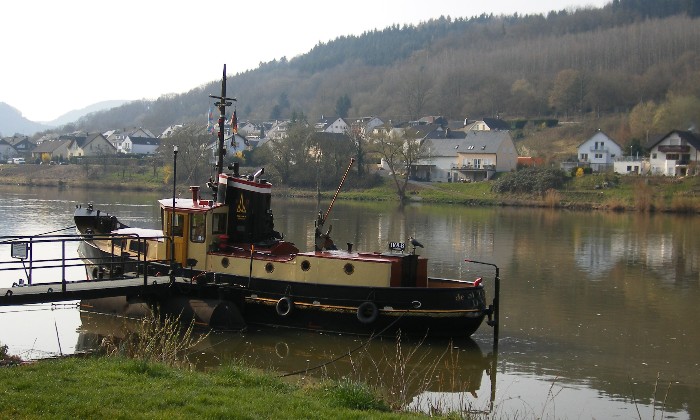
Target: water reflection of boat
{"x": 425, "y": 366}
{"x": 230, "y": 252}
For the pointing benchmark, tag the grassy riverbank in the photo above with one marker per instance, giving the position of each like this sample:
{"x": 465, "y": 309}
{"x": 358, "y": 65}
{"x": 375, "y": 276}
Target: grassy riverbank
{"x": 592, "y": 192}
{"x": 110, "y": 387}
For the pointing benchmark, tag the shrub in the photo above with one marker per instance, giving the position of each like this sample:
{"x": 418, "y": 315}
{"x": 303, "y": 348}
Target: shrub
{"x": 7, "y": 359}
{"x": 530, "y": 180}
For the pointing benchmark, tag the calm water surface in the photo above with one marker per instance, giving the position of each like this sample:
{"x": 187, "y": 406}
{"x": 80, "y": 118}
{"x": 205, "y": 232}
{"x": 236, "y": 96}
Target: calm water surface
{"x": 598, "y": 310}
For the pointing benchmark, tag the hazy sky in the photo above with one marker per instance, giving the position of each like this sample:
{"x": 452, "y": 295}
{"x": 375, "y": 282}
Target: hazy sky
{"x": 61, "y": 55}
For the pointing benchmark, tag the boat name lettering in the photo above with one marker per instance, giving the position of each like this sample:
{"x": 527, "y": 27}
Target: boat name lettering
{"x": 397, "y": 246}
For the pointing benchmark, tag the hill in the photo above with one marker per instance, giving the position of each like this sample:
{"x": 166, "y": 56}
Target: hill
{"x": 12, "y": 122}
{"x": 596, "y": 64}
{"x": 76, "y": 114}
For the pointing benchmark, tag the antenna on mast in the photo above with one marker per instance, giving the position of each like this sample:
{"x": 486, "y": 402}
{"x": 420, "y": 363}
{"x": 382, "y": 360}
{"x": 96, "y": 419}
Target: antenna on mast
{"x": 222, "y": 104}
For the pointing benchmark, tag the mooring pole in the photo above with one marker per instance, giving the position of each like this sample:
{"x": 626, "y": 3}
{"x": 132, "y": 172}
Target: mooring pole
{"x": 494, "y": 306}
{"x": 172, "y": 216}
{"x": 497, "y": 294}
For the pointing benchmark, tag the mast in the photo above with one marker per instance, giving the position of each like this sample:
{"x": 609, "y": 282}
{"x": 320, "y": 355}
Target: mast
{"x": 222, "y": 104}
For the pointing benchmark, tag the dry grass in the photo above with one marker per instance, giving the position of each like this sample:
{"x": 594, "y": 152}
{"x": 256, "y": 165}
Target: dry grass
{"x": 615, "y": 204}
{"x": 155, "y": 340}
{"x": 643, "y": 196}
{"x": 551, "y": 198}
{"x": 684, "y": 204}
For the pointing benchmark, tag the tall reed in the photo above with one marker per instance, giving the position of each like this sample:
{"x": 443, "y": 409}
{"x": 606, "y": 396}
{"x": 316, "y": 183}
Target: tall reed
{"x": 684, "y": 204}
{"x": 643, "y": 196}
{"x": 156, "y": 339}
{"x": 552, "y": 198}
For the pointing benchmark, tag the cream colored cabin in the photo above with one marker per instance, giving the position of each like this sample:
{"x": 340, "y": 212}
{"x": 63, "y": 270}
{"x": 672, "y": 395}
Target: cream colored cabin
{"x": 197, "y": 238}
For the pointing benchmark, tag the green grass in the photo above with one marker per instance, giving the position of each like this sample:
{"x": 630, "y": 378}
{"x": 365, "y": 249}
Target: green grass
{"x": 101, "y": 387}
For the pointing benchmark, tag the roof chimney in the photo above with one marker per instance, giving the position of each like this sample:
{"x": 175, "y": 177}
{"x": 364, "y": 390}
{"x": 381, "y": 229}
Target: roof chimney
{"x": 195, "y": 195}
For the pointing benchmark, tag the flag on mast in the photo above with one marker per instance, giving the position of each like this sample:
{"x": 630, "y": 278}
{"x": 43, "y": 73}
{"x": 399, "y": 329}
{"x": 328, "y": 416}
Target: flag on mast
{"x": 210, "y": 121}
{"x": 234, "y": 123}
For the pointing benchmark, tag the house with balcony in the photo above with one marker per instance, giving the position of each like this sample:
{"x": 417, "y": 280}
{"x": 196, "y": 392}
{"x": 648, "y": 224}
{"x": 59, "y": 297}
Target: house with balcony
{"x": 466, "y": 157}
{"x": 675, "y": 154}
{"x": 599, "y": 152}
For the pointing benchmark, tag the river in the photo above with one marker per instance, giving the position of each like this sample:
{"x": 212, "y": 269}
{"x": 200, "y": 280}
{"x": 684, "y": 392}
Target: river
{"x": 598, "y": 310}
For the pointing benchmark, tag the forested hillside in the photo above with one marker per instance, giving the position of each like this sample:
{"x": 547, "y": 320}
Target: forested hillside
{"x": 635, "y": 61}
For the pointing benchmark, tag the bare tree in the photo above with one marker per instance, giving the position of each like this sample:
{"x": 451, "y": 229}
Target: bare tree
{"x": 194, "y": 159}
{"x": 399, "y": 153}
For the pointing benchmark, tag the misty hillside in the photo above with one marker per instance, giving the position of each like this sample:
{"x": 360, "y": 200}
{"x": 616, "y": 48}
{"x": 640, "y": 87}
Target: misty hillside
{"x": 76, "y": 114}
{"x": 565, "y": 64}
{"x": 12, "y": 122}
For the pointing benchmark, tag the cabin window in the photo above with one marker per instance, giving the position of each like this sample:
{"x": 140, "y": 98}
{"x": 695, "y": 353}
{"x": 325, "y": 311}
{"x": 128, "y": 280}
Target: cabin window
{"x": 219, "y": 223}
{"x": 179, "y": 225}
{"x": 198, "y": 228}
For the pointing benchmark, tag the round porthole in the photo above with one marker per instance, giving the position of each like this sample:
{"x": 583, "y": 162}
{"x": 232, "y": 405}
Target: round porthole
{"x": 349, "y": 269}
{"x": 269, "y": 267}
{"x": 224, "y": 262}
{"x": 305, "y": 265}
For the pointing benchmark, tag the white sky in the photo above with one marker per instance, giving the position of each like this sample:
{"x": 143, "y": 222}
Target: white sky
{"x": 61, "y": 55}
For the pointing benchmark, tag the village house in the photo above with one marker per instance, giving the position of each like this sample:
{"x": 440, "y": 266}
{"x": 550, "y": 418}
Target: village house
{"x": 6, "y": 151}
{"x": 278, "y": 130}
{"x": 117, "y": 137}
{"x": 54, "y": 150}
{"x": 90, "y": 145}
{"x": 332, "y": 125}
{"x": 631, "y": 165}
{"x": 675, "y": 154}
{"x": 486, "y": 124}
{"x": 364, "y": 126}
{"x": 249, "y": 130}
{"x": 170, "y": 130}
{"x": 599, "y": 152}
{"x": 21, "y": 144}
{"x": 140, "y": 145}
{"x": 471, "y": 156}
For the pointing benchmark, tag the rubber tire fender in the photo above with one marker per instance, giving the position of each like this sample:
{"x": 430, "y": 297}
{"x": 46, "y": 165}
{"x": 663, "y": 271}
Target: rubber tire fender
{"x": 284, "y": 306}
{"x": 367, "y": 312}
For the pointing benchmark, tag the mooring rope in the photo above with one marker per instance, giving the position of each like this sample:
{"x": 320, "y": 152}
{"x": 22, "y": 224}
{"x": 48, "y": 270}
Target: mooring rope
{"x": 9, "y": 241}
{"x": 57, "y": 230}
{"x": 348, "y": 353}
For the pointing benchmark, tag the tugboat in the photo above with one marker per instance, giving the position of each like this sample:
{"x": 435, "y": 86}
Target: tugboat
{"x": 229, "y": 250}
